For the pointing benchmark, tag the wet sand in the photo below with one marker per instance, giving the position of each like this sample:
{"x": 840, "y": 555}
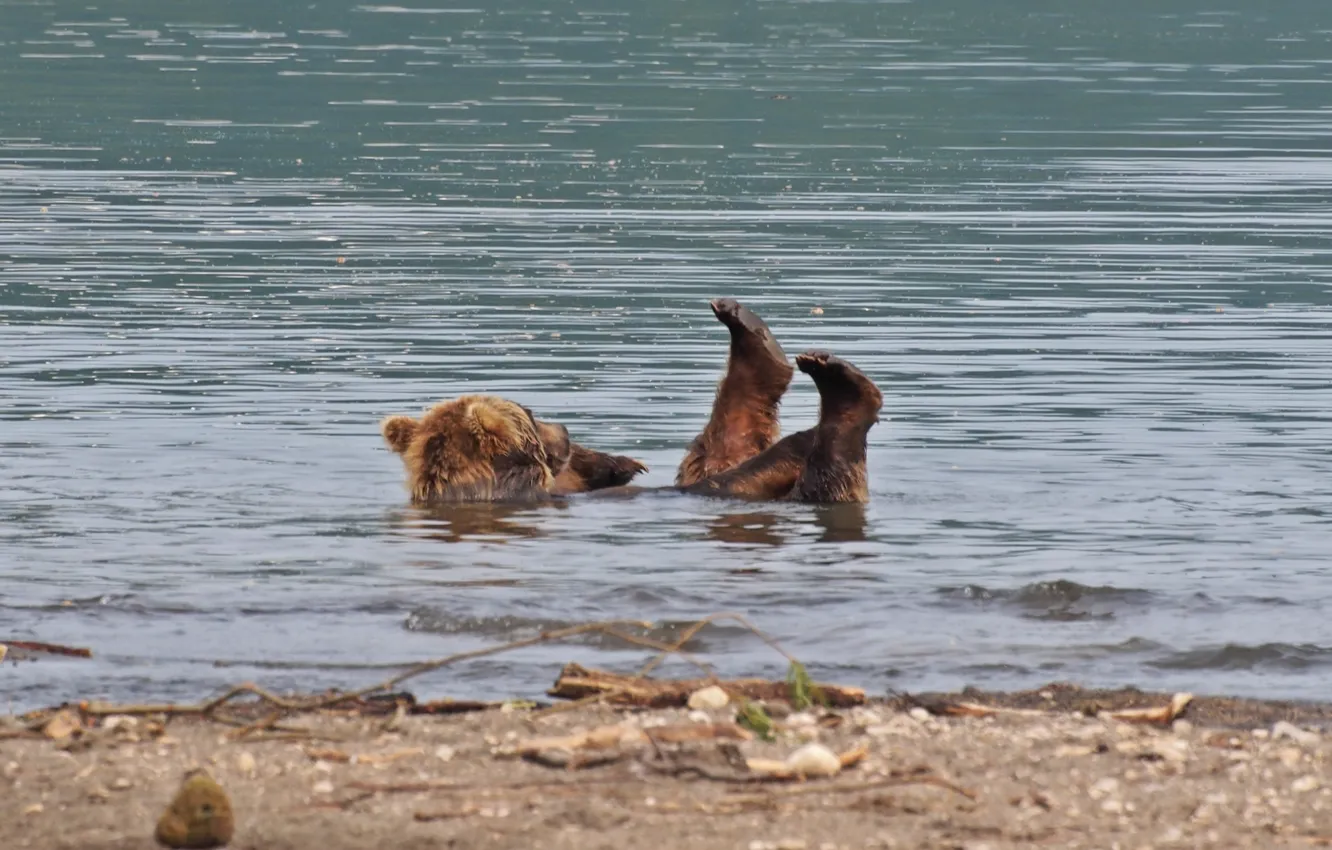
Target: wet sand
{"x": 1228, "y": 773}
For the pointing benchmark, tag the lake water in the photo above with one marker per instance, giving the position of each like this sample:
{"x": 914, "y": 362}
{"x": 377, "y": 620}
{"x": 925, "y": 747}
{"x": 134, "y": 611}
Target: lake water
{"x": 1085, "y": 255}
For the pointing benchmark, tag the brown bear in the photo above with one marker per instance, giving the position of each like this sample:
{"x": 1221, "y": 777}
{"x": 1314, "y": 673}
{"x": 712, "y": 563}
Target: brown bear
{"x": 823, "y": 464}
{"x": 744, "y": 412}
{"x": 479, "y": 448}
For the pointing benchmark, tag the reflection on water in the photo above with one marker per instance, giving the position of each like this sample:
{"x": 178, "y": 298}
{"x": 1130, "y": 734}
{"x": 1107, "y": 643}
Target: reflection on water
{"x": 757, "y": 528}
{"x": 1082, "y": 252}
{"x": 451, "y": 523}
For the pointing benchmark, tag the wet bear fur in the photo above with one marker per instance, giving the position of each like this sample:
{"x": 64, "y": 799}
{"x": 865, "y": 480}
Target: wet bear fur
{"x": 481, "y": 448}
{"x": 744, "y": 417}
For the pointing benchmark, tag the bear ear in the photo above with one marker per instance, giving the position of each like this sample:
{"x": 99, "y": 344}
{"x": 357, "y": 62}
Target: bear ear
{"x": 398, "y": 432}
{"x": 484, "y": 417}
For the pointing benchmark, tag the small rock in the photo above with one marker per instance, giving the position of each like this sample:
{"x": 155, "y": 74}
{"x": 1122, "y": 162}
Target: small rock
{"x": 62, "y": 725}
{"x": 1305, "y": 784}
{"x": 1182, "y": 727}
{"x": 323, "y": 786}
{"x": 1103, "y": 787}
{"x": 801, "y": 719}
{"x": 199, "y": 816}
{"x": 758, "y": 844}
{"x": 99, "y": 794}
{"x": 865, "y": 717}
{"x": 1290, "y": 756}
{"x": 699, "y": 717}
{"x": 34, "y": 809}
{"x": 814, "y": 760}
{"x": 708, "y": 698}
{"x": 1282, "y": 729}
{"x": 792, "y": 844}
{"x": 918, "y": 714}
{"x": 445, "y": 753}
{"x": 119, "y": 721}
{"x": 120, "y": 783}
{"x": 246, "y": 764}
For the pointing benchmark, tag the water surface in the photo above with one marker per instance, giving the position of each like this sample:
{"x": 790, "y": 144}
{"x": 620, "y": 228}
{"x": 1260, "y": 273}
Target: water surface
{"x": 1083, "y": 254}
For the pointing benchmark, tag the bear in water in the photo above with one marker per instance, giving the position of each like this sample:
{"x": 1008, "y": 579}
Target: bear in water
{"x": 479, "y": 448}
{"x": 744, "y": 413}
{"x": 823, "y": 464}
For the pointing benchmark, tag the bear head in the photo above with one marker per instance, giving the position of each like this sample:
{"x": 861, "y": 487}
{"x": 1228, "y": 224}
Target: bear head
{"x": 478, "y": 448}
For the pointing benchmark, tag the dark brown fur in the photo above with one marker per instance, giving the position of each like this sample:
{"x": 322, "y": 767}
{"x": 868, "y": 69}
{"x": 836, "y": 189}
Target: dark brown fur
{"x": 771, "y": 474}
{"x": 849, "y": 405}
{"x": 744, "y": 414}
{"x": 823, "y": 464}
{"x": 589, "y": 469}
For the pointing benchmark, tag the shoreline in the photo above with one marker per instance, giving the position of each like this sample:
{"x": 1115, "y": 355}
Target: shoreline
{"x": 1048, "y": 767}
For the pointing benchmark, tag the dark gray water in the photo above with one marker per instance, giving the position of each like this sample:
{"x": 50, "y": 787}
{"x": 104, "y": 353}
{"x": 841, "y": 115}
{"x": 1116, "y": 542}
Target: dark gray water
{"x": 1084, "y": 254}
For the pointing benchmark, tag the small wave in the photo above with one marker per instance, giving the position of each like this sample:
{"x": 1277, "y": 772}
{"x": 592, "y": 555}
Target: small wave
{"x": 1058, "y": 600}
{"x": 1234, "y": 656}
{"x": 520, "y": 628}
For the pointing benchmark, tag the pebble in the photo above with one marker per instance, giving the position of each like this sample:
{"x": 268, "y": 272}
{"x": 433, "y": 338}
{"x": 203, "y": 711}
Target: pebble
{"x": 1103, "y": 787}
{"x": 1283, "y": 729}
{"x": 99, "y": 794}
{"x": 711, "y": 697}
{"x": 792, "y": 844}
{"x": 116, "y": 721}
{"x": 1290, "y": 756}
{"x": 1305, "y": 784}
{"x": 801, "y": 719}
{"x": 814, "y": 760}
{"x": 198, "y": 816}
{"x": 918, "y": 714}
{"x": 445, "y": 753}
{"x": 699, "y": 717}
{"x": 246, "y": 764}
{"x": 120, "y": 783}
{"x": 323, "y": 786}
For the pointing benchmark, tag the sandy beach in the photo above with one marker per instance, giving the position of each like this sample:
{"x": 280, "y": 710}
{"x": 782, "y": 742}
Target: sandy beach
{"x": 1054, "y": 769}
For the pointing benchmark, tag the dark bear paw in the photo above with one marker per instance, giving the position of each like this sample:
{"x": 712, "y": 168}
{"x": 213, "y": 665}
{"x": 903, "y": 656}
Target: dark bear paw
{"x": 839, "y": 380}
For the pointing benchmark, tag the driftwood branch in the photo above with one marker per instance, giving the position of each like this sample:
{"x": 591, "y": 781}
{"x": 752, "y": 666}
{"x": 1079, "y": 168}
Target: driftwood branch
{"x": 577, "y": 682}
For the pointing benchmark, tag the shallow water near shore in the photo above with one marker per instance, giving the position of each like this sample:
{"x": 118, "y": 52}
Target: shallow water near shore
{"x": 1084, "y": 258}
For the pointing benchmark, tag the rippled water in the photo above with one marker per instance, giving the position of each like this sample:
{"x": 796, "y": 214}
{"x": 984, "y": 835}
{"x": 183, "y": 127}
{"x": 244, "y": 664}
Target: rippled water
{"x": 1084, "y": 256}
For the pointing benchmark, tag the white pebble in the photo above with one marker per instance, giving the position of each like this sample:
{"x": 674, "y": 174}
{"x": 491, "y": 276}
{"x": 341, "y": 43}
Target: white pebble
{"x": 1282, "y": 729}
{"x": 801, "y": 719}
{"x": 323, "y": 786}
{"x": 1305, "y": 783}
{"x": 445, "y": 753}
{"x": 245, "y": 763}
{"x": 1103, "y": 787}
{"x": 814, "y": 760}
{"x": 708, "y": 698}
